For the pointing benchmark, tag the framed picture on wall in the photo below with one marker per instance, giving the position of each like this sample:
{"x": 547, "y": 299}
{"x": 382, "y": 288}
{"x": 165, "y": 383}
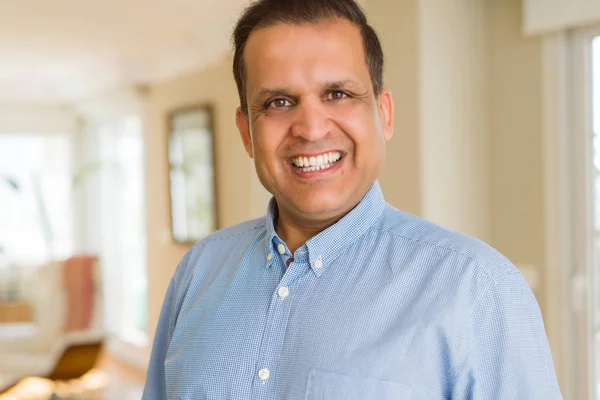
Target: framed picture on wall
{"x": 192, "y": 174}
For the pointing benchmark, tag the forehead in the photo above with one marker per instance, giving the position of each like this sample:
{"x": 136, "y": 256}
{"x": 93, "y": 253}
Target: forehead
{"x": 288, "y": 54}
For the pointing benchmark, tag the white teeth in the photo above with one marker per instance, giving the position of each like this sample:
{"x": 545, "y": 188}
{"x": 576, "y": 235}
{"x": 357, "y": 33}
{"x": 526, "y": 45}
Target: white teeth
{"x": 316, "y": 168}
{"x": 322, "y": 161}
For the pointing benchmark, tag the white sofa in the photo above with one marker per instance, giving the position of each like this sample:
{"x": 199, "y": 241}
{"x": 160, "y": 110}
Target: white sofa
{"x": 59, "y": 321}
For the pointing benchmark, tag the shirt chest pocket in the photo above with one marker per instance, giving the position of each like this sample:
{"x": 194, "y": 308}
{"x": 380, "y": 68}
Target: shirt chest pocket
{"x": 323, "y": 385}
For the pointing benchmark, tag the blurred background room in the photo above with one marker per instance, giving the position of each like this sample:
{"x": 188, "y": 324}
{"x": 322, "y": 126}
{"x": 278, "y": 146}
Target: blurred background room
{"x": 119, "y": 150}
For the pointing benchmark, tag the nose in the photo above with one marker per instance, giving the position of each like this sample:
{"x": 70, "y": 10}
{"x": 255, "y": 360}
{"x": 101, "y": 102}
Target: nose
{"x": 311, "y": 120}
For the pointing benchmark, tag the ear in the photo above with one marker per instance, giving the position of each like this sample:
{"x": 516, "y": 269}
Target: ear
{"x": 385, "y": 103}
{"x": 243, "y": 125}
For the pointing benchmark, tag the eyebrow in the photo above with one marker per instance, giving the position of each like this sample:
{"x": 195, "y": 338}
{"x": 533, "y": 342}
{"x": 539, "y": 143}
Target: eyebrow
{"x": 341, "y": 84}
{"x": 275, "y": 92}
{"x": 329, "y": 85}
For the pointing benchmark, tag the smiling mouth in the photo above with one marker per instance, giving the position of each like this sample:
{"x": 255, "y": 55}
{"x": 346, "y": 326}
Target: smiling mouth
{"x": 316, "y": 163}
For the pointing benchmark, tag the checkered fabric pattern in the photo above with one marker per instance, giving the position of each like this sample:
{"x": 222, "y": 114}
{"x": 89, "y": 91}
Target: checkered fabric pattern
{"x": 381, "y": 305}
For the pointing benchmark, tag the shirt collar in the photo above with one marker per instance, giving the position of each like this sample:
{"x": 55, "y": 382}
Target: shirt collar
{"x": 324, "y": 247}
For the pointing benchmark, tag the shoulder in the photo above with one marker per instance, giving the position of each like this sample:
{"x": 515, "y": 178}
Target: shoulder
{"x": 234, "y": 232}
{"x": 218, "y": 243}
{"x": 430, "y": 241}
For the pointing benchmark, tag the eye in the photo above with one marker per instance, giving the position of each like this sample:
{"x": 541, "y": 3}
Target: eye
{"x": 336, "y": 95}
{"x": 279, "y": 103}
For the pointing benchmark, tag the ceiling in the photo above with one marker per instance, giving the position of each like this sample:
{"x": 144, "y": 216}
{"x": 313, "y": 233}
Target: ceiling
{"x": 67, "y": 50}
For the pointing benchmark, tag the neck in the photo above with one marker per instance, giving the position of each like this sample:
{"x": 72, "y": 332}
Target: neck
{"x": 295, "y": 231}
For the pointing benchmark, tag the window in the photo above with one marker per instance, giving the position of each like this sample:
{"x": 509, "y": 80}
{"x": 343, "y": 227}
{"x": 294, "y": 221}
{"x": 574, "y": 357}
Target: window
{"x": 584, "y": 183}
{"x": 572, "y": 182}
{"x": 118, "y": 214}
{"x": 35, "y": 214}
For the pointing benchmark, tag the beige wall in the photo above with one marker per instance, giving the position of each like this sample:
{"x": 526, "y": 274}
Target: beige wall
{"x": 396, "y": 22}
{"x": 454, "y": 115}
{"x": 37, "y": 118}
{"x": 239, "y": 193}
{"x": 515, "y": 107}
{"x": 436, "y": 67}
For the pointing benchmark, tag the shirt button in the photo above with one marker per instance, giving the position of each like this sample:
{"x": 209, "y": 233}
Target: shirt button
{"x": 281, "y": 248}
{"x": 269, "y": 256}
{"x": 264, "y": 374}
{"x": 318, "y": 263}
{"x": 283, "y": 292}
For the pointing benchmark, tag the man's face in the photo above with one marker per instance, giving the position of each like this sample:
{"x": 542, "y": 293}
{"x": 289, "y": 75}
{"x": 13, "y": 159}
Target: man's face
{"x": 315, "y": 128}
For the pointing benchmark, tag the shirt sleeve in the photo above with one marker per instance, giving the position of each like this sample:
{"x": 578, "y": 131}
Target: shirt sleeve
{"x": 155, "y": 388}
{"x": 508, "y": 356}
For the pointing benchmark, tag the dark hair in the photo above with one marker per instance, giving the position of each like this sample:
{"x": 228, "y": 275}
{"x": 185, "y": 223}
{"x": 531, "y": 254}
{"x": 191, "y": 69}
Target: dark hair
{"x": 265, "y": 13}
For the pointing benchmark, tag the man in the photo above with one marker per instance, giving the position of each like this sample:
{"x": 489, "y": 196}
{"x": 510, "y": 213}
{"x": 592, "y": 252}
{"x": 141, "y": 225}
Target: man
{"x": 335, "y": 294}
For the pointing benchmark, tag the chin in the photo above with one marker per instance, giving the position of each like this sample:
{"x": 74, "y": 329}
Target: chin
{"x": 324, "y": 207}
{"x": 323, "y": 201}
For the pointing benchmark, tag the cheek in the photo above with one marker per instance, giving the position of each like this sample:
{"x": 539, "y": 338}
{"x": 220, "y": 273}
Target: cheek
{"x": 363, "y": 130}
{"x": 267, "y": 135}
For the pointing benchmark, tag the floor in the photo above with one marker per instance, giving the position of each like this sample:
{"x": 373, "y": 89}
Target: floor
{"x": 123, "y": 381}
{"x": 112, "y": 380}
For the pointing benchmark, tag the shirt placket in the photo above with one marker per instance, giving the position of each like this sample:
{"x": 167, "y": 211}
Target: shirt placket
{"x": 263, "y": 386}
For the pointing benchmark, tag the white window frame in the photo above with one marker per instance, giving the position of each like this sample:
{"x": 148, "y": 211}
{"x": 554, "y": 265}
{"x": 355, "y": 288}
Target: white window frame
{"x": 107, "y": 109}
{"x": 567, "y": 113}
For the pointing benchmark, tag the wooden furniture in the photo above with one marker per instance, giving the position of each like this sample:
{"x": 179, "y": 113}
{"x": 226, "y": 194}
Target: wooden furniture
{"x": 15, "y": 311}
{"x": 76, "y": 360}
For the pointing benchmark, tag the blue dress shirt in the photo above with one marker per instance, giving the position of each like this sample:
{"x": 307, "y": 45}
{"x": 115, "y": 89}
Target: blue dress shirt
{"x": 381, "y": 305}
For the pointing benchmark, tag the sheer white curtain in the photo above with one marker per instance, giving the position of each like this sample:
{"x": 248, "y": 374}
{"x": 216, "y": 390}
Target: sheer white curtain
{"x": 36, "y": 197}
{"x": 114, "y": 214}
